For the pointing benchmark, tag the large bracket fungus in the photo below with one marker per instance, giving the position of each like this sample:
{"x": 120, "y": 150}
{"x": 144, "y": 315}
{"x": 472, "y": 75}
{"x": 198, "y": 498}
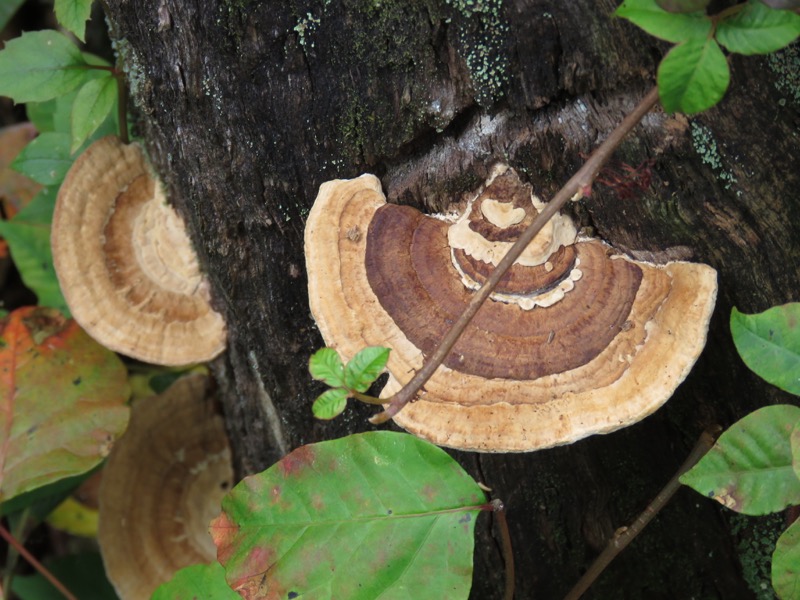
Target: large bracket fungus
{"x": 126, "y": 266}
{"x": 162, "y": 485}
{"x": 576, "y": 340}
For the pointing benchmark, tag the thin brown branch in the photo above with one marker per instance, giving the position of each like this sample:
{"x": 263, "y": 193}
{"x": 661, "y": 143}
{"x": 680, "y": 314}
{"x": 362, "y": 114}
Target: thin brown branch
{"x": 508, "y": 552}
{"x": 12, "y": 541}
{"x": 625, "y": 535}
{"x": 579, "y": 185}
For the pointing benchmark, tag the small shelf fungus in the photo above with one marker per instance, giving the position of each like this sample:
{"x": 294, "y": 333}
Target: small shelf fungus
{"x": 162, "y": 485}
{"x": 125, "y": 264}
{"x": 576, "y": 340}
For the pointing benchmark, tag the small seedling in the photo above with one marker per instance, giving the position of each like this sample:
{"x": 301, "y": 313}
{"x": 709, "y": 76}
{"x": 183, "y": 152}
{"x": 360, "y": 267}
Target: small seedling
{"x": 349, "y": 381}
{"x": 694, "y": 75}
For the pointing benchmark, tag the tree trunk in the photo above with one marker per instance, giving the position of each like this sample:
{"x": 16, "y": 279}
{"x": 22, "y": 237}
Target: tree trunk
{"x": 247, "y": 106}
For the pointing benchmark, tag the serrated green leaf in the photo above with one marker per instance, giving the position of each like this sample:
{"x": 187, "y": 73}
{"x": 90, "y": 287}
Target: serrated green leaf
{"x": 326, "y": 365}
{"x": 693, "y": 76}
{"x": 30, "y": 249}
{"x": 62, "y": 400}
{"x": 63, "y": 107}
{"x": 197, "y": 581}
{"x": 374, "y": 515}
{"x": 758, "y": 29}
{"x": 786, "y": 564}
{"x": 92, "y": 106}
{"x": 794, "y": 441}
{"x": 330, "y": 404}
{"x": 365, "y": 367}
{"x": 769, "y": 344}
{"x": 41, "y": 115}
{"x": 73, "y": 14}
{"x": 669, "y": 26}
{"x": 40, "y": 65}
{"x": 45, "y": 159}
{"x": 39, "y": 211}
{"x": 683, "y": 6}
{"x": 7, "y": 10}
{"x": 28, "y": 237}
{"x": 749, "y": 469}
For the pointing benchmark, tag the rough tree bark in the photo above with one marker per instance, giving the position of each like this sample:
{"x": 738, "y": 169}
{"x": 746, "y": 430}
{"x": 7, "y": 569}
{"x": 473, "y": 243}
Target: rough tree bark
{"x": 247, "y": 106}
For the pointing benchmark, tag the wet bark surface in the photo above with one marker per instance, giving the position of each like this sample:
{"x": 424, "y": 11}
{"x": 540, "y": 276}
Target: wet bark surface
{"x": 247, "y": 107}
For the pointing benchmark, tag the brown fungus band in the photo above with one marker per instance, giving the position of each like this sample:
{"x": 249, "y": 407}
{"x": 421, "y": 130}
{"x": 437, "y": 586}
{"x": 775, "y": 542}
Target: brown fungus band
{"x": 162, "y": 485}
{"x": 126, "y": 266}
{"x": 575, "y": 340}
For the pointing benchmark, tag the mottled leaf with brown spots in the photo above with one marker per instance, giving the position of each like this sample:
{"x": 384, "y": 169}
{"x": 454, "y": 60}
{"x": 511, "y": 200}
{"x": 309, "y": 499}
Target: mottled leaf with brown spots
{"x": 379, "y": 514}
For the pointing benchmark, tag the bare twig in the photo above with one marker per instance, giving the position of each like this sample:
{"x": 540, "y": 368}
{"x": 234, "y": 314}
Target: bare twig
{"x": 12, "y": 541}
{"x": 625, "y": 535}
{"x": 579, "y": 185}
{"x": 508, "y": 552}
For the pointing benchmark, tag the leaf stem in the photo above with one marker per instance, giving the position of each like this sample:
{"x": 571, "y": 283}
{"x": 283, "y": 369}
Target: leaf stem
{"x": 365, "y": 397}
{"x": 111, "y": 70}
{"x": 12, "y": 541}
{"x": 728, "y": 12}
{"x": 577, "y": 187}
{"x": 625, "y": 535}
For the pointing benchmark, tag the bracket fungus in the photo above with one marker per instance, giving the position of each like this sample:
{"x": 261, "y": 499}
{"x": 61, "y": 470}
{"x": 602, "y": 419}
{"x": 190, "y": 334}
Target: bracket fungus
{"x": 125, "y": 264}
{"x": 162, "y": 485}
{"x": 576, "y": 339}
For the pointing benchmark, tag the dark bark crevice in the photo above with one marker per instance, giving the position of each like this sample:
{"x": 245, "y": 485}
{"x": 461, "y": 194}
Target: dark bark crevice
{"x": 246, "y": 112}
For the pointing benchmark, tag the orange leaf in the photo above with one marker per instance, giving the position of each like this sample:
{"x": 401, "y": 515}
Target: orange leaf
{"x": 62, "y": 400}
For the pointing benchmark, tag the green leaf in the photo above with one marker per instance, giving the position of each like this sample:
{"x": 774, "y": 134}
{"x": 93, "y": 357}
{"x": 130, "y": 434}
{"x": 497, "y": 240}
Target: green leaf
{"x": 91, "y": 108}
{"x": 16, "y": 190}
{"x": 73, "y": 14}
{"x": 769, "y": 344}
{"x": 7, "y": 10}
{"x": 326, "y": 365}
{"x": 59, "y": 112}
{"x": 786, "y": 564}
{"x": 683, "y": 6}
{"x": 30, "y": 249}
{"x": 669, "y": 26}
{"x": 41, "y": 501}
{"x": 365, "y": 367}
{"x": 40, "y": 209}
{"x": 40, "y": 65}
{"x": 330, "y": 404}
{"x": 197, "y": 581}
{"x": 693, "y": 76}
{"x": 41, "y": 114}
{"x": 46, "y": 159}
{"x": 749, "y": 469}
{"x": 28, "y": 237}
{"x": 62, "y": 400}
{"x": 82, "y": 574}
{"x": 374, "y": 515}
{"x": 794, "y": 441}
{"x": 758, "y": 29}
{"x": 62, "y": 116}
